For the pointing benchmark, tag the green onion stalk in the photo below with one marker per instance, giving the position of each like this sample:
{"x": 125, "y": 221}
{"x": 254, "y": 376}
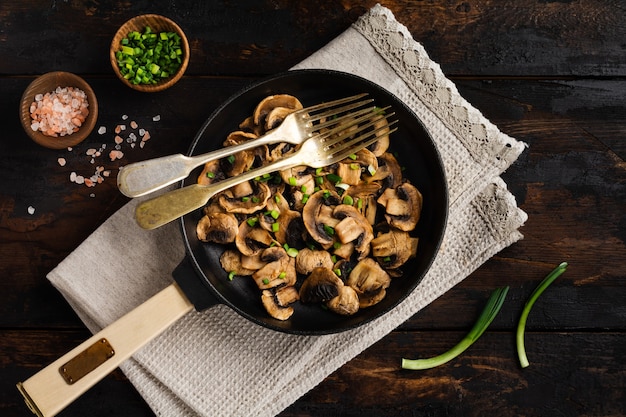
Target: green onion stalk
{"x": 493, "y": 306}
{"x": 521, "y": 326}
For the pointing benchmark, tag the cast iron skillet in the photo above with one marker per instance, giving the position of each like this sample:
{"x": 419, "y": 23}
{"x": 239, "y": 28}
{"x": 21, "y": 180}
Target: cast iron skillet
{"x": 204, "y": 281}
{"x": 200, "y": 275}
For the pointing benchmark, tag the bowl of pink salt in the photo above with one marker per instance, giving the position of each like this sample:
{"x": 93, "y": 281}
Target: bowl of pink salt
{"x": 58, "y": 110}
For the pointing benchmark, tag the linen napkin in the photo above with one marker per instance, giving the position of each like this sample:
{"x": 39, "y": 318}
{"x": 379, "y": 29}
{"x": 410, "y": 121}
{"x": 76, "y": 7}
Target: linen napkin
{"x": 215, "y": 363}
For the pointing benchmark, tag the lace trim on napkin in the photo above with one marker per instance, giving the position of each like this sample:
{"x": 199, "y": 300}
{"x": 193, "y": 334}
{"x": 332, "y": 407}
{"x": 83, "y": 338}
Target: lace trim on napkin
{"x": 396, "y": 45}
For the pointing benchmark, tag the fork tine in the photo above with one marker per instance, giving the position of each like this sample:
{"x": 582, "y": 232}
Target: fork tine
{"x": 330, "y": 113}
{"x": 333, "y": 103}
{"x": 345, "y": 149}
{"x": 341, "y": 132}
{"x": 346, "y": 116}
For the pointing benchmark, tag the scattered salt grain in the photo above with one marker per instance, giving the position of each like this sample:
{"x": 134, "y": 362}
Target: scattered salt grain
{"x": 146, "y": 136}
{"x": 133, "y": 124}
{"x": 62, "y": 161}
{"x": 92, "y": 195}
{"x": 156, "y": 118}
{"x": 116, "y": 155}
{"x": 90, "y": 152}
{"x": 118, "y": 139}
{"x": 124, "y": 116}
{"x": 31, "y": 210}
{"x": 102, "y": 130}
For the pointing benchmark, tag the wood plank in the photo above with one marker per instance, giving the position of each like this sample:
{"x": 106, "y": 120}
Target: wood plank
{"x": 576, "y": 369}
{"x": 570, "y": 374}
{"x": 486, "y": 37}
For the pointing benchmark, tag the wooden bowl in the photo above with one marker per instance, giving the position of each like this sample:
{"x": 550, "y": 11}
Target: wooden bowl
{"x": 45, "y": 84}
{"x": 157, "y": 23}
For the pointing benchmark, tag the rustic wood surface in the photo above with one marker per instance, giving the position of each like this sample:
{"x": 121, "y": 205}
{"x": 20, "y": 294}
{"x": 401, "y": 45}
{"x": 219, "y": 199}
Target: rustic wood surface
{"x": 550, "y": 73}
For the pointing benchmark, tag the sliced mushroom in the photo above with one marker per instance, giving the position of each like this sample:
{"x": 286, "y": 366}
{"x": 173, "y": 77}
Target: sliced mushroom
{"x": 230, "y": 260}
{"x": 394, "y": 248}
{"x": 382, "y": 144}
{"x": 248, "y": 125}
{"x": 280, "y": 269}
{"x": 364, "y": 197}
{"x": 297, "y": 176}
{"x": 286, "y": 224}
{"x": 403, "y": 206}
{"x": 389, "y": 172}
{"x": 269, "y": 301}
{"x": 286, "y": 295}
{"x": 241, "y": 161}
{"x": 318, "y": 217}
{"x": 252, "y": 262}
{"x": 271, "y": 102}
{"x": 369, "y": 280}
{"x": 345, "y": 303}
{"x": 242, "y": 190}
{"x": 320, "y": 286}
{"x": 217, "y": 227}
{"x": 353, "y": 227}
{"x": 251, "y": 240}
{"x": 211, "y": 172}
{"x": 276, "y": 116}
{"x": 308, "y": 259}
{"x": 250, "y": 204}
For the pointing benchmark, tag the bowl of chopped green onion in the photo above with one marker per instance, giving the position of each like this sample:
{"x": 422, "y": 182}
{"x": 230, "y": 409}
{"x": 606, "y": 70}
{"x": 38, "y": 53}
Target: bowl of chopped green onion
{"x": 149, "y": 53}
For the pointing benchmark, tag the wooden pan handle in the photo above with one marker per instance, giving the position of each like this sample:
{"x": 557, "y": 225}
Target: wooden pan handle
{"x": 53, "y": 388}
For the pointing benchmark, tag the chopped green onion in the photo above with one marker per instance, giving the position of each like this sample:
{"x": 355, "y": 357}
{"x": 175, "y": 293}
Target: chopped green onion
{"x": 275, "y": 214}
{"x": 275, "y": 227}
{"x": 231, "y": 275}
{"x": 359, "y": 203}
{"x": 305, "y": 198}
{"x": 352, "y": 156}
{"x": 521, "y": 326}
{"x": 318, "y": 171}
{"x": 245, "y": 199}
{"x": 145, "y": 58}
{"x": 277, "y": 199}
{"x": 484, "y": 320}
{"x": 348, "y": 200}
{"x": 293, "y": 181}
{"x": 326, "y": 194}
{"x": 231, "y": 159}
{"x": 333, "y": 258}
{"x": 255, "y": 199}
{"x": 343, "y": 186}
{"x": 252, "y": 221}
{"x": 265, "y": 281}
{"x": 329, "y": 230}
{"x": 293, "y": 252}
{"x": 319, "y": 180}
{"x": 303, "y": 189}
{"x": 210, "y": 175}
{"x": 336, "y": 245}
{"x": 355, "y": 166}
{"x": 337, "y": 272}
{"x": 334, "y": 178}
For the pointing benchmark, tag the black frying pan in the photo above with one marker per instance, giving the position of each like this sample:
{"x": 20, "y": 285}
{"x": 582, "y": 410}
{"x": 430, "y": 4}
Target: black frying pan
{"x": 200, "y": 278}
{"x": 204, "y": 281}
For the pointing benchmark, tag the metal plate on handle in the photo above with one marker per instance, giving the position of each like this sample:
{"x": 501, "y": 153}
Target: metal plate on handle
{"x": 86, "y": 361}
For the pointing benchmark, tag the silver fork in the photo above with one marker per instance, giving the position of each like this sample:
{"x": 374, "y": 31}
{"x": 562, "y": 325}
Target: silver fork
{"x": 141, "y": 178}
{"x": 319, "y": 151}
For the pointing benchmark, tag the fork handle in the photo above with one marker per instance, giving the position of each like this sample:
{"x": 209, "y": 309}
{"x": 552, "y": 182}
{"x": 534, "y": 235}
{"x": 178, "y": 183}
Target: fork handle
{"x": 163, "y": 209}
{"x": 141, "y": 178}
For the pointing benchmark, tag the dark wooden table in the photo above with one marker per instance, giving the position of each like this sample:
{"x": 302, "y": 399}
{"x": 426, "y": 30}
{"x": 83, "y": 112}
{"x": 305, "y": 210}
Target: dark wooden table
{"x": 550, "y": 73}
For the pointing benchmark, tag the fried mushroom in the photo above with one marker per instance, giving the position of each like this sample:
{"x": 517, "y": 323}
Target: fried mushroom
{"x": 345, "y": 303}
{"x": 370, "y": 281}
{"x": 394, "y": 248}
{"x": 403, "y": 206}
{"x": 320, "y": 286}
{"x": 217, "y": 227}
